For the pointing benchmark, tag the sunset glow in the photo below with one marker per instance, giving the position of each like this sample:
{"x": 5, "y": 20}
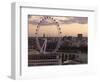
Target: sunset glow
{"x": 70, "y": 26}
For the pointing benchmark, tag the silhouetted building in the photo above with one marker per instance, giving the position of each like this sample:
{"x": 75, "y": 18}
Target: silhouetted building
{"x": 79, "y": 36}
{"x": 43, "y": 35}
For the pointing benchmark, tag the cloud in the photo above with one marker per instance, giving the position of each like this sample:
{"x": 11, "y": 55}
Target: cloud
{"x": 80, "y": 20}
{"x": 62, "y": 20}
{"x": 46, "y": 22}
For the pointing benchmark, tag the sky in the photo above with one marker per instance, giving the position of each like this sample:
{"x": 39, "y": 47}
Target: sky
{"x": 69, "y": 25}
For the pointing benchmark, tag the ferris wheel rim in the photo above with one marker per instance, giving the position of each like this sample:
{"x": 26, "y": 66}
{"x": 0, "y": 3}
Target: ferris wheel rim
{"x": 58, "y": 29}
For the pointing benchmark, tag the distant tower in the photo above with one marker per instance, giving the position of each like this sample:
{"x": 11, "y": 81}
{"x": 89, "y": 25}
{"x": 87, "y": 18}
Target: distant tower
{"x": 43, "y": 35}
{"x": 80, "y": 36}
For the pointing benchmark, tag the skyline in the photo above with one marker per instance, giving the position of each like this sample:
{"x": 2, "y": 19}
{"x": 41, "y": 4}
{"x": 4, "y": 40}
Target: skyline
{"x": 70, "y": 26}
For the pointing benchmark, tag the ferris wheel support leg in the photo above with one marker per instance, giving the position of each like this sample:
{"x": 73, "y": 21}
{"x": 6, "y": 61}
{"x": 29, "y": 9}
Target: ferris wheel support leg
{"x": 43, "y": 49}
{"x": 45, "y": 45}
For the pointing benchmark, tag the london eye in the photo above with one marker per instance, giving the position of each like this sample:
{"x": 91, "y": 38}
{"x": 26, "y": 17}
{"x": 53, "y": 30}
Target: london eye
{"x": 42, "y": 49}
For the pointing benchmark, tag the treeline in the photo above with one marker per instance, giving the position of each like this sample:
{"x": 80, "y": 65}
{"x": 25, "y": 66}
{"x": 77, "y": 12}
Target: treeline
{"x": 83, "y": 49}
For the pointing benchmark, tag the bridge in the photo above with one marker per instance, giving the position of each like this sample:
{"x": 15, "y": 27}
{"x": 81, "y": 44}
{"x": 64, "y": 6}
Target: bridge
{"x": 59, "y": 58}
